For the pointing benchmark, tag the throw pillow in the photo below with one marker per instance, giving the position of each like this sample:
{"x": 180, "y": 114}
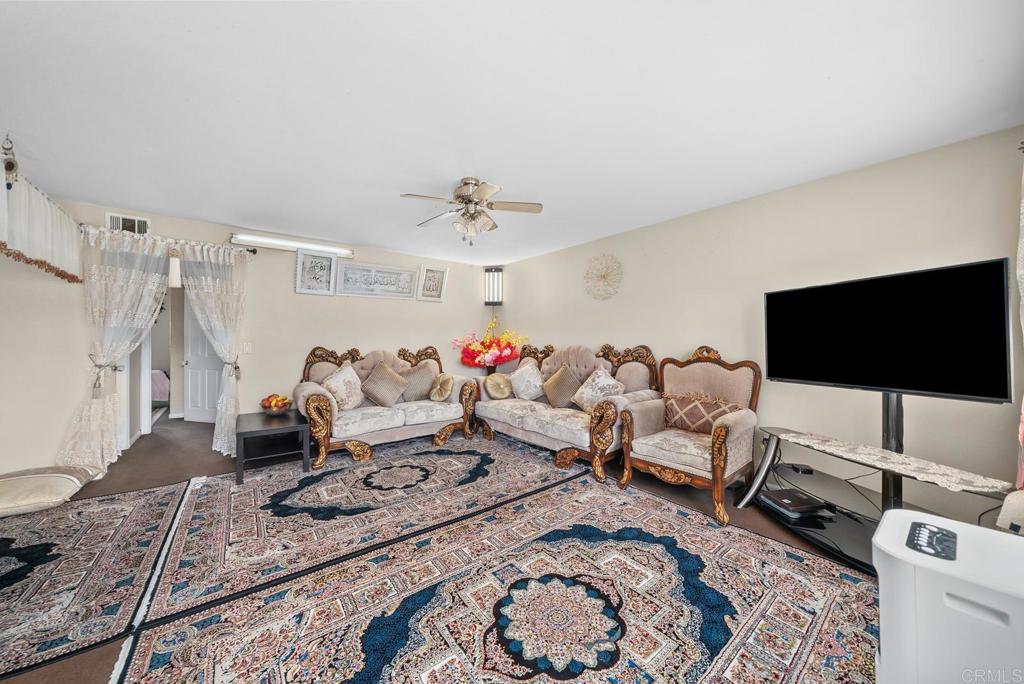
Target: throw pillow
{"x": 696, "y": 412}
{"x": 384, "y": 386}
{"x": 421, "y": 379}
{"x": 527, "y": 382}
{"x": 442, "y": 387}
{"x": 344, "y": 384}
{"x": 600, "y": 385}
{"x": 560, "y": 387}
{"x": 498, "y": 386}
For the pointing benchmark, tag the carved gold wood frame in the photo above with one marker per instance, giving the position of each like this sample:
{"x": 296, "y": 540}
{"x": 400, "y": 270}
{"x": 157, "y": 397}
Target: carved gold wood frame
{"x": 640, "y": 353}
{"x": 470, "y": 423}
{"x": 421, "y": 355}
{"x": 538, "y": 354}
{"x": 602, "y": 420}
{"x": 719, "y": 439}
{"x": 323, "y": 354}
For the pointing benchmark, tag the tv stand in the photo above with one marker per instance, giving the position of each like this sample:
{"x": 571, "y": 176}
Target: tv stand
{"x": 890, "y": 460}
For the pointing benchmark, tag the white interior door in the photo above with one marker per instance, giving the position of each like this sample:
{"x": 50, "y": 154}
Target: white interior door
{"x": 202, "y": 372}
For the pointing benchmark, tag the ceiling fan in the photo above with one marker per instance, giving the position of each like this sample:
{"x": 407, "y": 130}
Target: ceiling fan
{"x": 472, "y": 196}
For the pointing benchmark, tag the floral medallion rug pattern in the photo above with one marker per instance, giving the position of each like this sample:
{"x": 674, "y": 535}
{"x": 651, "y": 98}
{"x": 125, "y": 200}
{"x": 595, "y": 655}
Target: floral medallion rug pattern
{"x": 73, "y": 576}
{"x": 580, "y": 582}
{"x": 236, "y": 538}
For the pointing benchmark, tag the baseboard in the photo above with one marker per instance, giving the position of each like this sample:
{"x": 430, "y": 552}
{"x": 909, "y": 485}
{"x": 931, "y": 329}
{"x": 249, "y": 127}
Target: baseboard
{"x": 134, "y": 438}
{"x": 176, "y": 415}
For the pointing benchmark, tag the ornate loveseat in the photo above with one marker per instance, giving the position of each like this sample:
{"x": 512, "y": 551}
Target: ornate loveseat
{"x": 356, "y": 430}
{"x": 570, "y": 432}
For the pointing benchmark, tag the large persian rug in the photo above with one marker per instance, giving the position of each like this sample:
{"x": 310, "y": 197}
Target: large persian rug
{"x": 74, "y": 576}
{"x": 282, "y": 522}
{"x": 579, "y": 582}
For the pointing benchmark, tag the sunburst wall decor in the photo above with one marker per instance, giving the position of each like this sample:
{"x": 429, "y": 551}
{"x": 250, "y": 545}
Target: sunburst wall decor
{"x": 603, "y": 276}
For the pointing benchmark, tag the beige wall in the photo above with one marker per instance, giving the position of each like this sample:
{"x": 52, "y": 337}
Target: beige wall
{"x": 45, "y": 336}
{"x": 699, "y": 279}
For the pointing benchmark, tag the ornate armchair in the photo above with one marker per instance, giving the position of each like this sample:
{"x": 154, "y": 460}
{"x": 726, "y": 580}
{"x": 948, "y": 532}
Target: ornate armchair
{"x": 708, "y": 461}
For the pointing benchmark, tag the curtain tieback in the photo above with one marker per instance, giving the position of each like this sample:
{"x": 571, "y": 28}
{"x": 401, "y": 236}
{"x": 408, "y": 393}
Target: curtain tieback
{"x": 233, "y": 369}
{"x": 97, "y": 383}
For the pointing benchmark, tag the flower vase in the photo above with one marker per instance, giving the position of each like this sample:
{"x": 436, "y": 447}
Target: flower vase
{"x": 491, "y": 369}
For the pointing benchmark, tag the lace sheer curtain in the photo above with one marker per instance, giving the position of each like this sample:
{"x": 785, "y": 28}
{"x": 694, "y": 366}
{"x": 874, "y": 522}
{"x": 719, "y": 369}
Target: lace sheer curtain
{"x": 1020, "y": 287}
{"x": 125, "y": 278}
{"x": 214, "y": 280}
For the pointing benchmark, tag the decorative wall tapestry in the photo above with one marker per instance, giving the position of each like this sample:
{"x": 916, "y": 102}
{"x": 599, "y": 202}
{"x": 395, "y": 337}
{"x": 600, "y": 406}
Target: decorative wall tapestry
{"x": 432, "y": 284}
{"x": 370, "y": 280}
{"x": 603, "y": 276}
{"x": 314, "y": 272}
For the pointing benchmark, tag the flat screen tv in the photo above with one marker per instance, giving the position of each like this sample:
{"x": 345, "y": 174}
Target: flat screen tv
{"x": 942, "y": 332}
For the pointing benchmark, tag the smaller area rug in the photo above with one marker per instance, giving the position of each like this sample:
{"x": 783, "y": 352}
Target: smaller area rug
{"x": 581, "y": 583}
{"x": 235, "y": 538}
{"x": 73, "y": 576}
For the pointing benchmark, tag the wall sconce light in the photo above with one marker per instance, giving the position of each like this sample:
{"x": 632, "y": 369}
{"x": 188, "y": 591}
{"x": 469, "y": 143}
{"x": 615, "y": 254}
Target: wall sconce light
{"x": 174, "y": 272}
{"x": 493, "y": 286}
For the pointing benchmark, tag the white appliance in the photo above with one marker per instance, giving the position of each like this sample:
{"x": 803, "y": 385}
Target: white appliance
{"x": 951, "y": 597}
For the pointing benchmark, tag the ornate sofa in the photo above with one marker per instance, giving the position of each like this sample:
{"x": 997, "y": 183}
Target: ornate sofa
{"x": 677, "y": 456}
{"x": 357, "y": 430}
{"x": 570, "y": 432}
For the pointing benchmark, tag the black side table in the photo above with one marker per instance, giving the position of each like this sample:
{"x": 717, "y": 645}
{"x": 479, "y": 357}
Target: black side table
{"x": 274, "y": 430}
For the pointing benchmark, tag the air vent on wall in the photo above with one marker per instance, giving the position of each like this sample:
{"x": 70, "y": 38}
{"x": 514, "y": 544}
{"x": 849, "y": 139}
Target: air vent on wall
{"x": 131, "y": 224}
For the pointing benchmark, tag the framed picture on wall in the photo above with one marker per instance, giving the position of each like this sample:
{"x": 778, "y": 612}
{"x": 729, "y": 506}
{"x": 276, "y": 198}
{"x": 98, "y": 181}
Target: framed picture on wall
{"x": 432, "y": 284}
{"x": 314, "y": 272}
{"x": 356, "y": 279}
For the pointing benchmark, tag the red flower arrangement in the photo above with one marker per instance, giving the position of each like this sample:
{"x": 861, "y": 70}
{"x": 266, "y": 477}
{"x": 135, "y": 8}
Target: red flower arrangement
{"x": 490, "y": 350}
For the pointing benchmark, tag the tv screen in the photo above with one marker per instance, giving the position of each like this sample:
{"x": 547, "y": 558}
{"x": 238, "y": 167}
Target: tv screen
{"x": 941, "y": 332}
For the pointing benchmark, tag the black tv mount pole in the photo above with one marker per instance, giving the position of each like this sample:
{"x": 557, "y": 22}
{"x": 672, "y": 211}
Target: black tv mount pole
{"x": 892, "y": 440}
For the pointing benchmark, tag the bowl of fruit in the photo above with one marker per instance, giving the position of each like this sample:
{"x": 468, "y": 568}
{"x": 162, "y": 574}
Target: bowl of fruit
{"x": 275, "y": 404}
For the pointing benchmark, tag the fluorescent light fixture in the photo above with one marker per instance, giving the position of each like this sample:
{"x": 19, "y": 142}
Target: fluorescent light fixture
{"x": 493, "y": 285}
{"x": 288, "y": 244}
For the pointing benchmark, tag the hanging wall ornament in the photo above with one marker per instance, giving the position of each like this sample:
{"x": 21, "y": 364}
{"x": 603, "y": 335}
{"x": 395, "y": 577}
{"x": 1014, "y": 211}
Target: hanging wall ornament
{"x": 603, "y": 276}
{"x": 10, "y": 162}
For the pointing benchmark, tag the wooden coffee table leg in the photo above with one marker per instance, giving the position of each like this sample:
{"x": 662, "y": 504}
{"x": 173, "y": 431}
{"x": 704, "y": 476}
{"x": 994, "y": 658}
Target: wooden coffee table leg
{"x": 239, "y": 459}
{"x": 305, "y": 450}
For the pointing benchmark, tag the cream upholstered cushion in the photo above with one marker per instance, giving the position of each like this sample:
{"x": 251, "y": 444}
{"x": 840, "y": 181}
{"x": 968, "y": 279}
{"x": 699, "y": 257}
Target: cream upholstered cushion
{"x": 498, "y": 386}
{"x": 527, "y": 382}
{"x": 37, "y": 489}
{"x": 565, "y": 424}
{"x": 304, "y": 390}
{"x": 560, "y": 387}
{"x": 358, "y": 421}
{"x": 695, "y": 412}
{"x": 735, "y": 386}
{"x": 600, "y": 385}
{"x": 319, "y": 371}
{"x": 345, "y": 386}
{"x": 634, "y": 375}
{"x": 384, "y": 386}
{"x": 441, "y": 388}
{"x": 686, "y": 451}
{"x": 582, "y": 361}
{"x": 421, "y": 380}
{"x": 427, "y": 411}
{"x": 510, "y": 411}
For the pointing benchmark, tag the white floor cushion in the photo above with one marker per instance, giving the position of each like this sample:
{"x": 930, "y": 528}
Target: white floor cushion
{"x": 25, "y": 491}
{"x": 359, "y": 421}
{"x": 427, "y": 411}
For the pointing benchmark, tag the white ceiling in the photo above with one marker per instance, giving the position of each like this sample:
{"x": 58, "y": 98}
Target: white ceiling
{"x": 312, "y": 119}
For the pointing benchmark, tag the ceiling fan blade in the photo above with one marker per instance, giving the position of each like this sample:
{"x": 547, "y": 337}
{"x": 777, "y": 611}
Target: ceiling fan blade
{"x": 484, "y": 191}
{"x": 430, "y": 198}
{"x": 528, "y": 207}
{"x": 434, "y": 218}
